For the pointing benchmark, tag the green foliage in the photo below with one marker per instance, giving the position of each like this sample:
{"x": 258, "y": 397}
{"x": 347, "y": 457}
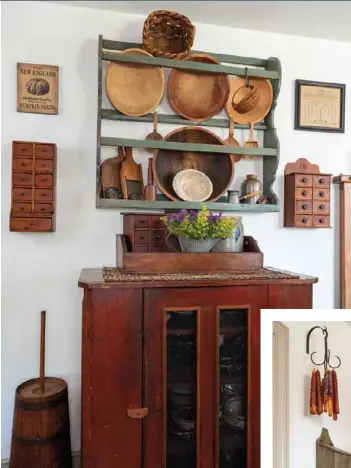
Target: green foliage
{"x": 200, "y": 225}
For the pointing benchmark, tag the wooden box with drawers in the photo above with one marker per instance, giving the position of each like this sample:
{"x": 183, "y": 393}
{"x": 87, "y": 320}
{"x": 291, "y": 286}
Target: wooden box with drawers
{"x": 145, "y": 232}
{"x": 33, "y": 187}
{"x": 307, "y": 196}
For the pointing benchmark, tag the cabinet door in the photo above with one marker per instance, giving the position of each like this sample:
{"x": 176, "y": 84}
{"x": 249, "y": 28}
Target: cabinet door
{"x": 183, "y": 380}
{"x": 112, "y": 378}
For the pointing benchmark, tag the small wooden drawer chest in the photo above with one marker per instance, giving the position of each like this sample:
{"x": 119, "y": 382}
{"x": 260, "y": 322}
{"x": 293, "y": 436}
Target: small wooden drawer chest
{"x": 307, "y": 196}
{"x": 145, "y": 232}
{"x": 33, "y": 187}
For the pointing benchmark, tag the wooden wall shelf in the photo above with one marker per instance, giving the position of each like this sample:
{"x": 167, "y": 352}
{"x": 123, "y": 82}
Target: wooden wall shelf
{"x": 256, "y": 67}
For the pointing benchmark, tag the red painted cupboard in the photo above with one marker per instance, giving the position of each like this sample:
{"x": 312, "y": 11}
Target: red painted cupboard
{"x": 171, "y": 371}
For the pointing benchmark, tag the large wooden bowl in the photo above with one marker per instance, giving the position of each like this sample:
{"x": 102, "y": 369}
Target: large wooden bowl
{"x": 218, "y": 167}
{"x": 197, "y": 96}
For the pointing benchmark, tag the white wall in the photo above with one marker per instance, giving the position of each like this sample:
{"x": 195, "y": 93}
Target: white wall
{"x": 305, "y": 429}
{"x": 40, "y": 271}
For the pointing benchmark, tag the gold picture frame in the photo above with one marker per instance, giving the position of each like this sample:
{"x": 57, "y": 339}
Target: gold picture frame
{"x": 319, "y": 106}
{"x": 37, "y": 88}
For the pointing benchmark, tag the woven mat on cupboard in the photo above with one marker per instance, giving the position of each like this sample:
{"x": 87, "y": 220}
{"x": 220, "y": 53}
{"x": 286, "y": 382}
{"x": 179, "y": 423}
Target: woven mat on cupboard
{"x": 116, "y": 275}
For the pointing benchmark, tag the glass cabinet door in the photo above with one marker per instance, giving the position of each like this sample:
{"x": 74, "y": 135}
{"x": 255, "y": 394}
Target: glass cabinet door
{"x": 180, "y": 374}
{"x": 232, "y": 387}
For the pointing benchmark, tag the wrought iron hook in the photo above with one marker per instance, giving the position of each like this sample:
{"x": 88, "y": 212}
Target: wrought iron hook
{"x": 326, "y": 360}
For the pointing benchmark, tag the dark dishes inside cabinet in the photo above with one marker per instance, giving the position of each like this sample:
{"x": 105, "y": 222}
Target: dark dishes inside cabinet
{"x": 33, "y": 187}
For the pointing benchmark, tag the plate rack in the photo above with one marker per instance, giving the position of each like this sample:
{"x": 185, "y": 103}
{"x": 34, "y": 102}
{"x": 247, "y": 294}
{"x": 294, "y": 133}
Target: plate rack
{"x": 264, "y": 68}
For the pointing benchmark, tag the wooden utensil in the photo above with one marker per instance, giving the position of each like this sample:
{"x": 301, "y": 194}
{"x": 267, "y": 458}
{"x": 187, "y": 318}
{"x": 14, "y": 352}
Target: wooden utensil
{"x": 231, "y": 141}
{"x": 154, "y": 135}
{"x": 250, "y": 143}
{"x": 132, "y": 88}
{"x": 197, "y": 96}
{"x": 250, "y": 195}
{"x": 110, "y": 176}
{"x": 131, "y": 177}
{"x": 150, "y": 189}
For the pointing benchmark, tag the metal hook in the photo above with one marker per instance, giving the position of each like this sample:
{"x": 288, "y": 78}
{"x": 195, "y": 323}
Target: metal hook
{"x": 246, "y": 78}
{"x": 326, "y": 360}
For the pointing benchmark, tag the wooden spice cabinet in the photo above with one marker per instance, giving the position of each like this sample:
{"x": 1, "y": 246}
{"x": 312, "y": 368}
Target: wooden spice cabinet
{"x": 130, "y": 370}
{"x": 33, "y": 187}
{"x": 145, "y": 232}
{"x": 307, "y": 196}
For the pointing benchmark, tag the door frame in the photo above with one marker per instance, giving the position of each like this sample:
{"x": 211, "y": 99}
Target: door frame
{"x": 280, "y": 374}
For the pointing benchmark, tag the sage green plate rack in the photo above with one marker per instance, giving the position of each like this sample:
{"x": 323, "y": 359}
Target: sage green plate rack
{"x": 262, "y": 68}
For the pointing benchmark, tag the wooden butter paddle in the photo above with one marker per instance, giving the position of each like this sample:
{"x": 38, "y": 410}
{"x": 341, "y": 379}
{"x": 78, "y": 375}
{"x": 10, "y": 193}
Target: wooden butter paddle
{"x": 131, "y": 177}
{"x": 231, "y": 141}
{"x": 154, "y": 135}
{"x": 150, "y": 189}
{"x": 250, "y": 143}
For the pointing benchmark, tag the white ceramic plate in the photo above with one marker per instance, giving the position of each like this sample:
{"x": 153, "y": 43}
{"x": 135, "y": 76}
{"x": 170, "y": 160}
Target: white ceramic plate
{"x": 192, "y": 185}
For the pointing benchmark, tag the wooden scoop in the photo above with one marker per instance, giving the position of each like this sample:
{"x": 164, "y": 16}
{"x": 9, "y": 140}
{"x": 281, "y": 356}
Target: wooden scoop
{"x": 154, "y": 135}
{"x": 110, "y": 176}
{"x": 231, "y": 141}
{"x": 250, "y": 143}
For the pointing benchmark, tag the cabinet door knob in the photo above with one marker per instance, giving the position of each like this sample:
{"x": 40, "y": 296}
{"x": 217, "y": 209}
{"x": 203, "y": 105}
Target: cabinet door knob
{"x": 137, "y": 413}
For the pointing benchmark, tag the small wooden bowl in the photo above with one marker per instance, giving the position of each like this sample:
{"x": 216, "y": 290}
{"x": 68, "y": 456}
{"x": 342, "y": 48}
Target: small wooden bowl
{"x": 219, "y": 168}
{"x": 192, "y": 185}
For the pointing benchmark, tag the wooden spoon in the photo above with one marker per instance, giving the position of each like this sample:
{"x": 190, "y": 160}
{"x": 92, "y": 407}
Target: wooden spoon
{"x": 231, "y": 141}
{"x": 250, "y": 143}
{"x": 154, "y": 135}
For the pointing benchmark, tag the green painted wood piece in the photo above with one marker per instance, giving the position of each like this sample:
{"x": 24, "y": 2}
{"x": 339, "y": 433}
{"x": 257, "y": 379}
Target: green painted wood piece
{"x": 98, "y": 130}
{"x": 176, "y": 146}
{"x": 270, "y": 165}
{"x": 178, "y": 205}
{"x": 189, "y": 65}
{"x": 226, "y": 58}
{"x": 328, "y": 456}
{"x": 111, "y": 114}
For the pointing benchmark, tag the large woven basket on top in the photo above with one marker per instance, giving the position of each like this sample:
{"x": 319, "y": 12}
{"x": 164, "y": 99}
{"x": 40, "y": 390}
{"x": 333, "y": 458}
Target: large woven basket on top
{"x": 168, "y": 34}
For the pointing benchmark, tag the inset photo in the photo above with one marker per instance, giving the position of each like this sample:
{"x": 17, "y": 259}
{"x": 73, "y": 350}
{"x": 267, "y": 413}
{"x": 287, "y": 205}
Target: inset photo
{"x": 310, "y": 388}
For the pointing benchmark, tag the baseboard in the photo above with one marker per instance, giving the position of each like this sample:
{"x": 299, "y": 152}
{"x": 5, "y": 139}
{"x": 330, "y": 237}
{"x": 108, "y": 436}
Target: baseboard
{"x": 75, "y": 459}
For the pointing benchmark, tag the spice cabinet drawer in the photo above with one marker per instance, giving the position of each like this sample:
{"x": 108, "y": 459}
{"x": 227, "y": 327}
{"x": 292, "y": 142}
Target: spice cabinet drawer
{"x": 43, "y": 180}
{"x": 303, "y": 180}
{"x": 44, "y": 208}
{"x": 141, "y": 237}
{"x": 44, "y": 165}
{"x": 321, "y": 221}
{"x": 303, "y": 207}
{"x": 321, "y": 207}
{"x": 156, "y": 223}
{"x": 22, "y": 165}
{"x": 303, "y": 193}
{"x": 22, "y": 179}
{"x": 304, "y": 220}
{"x": 44, "y": 151}
{"x": 321, "y": 194}
{"x": 141, "y": 221}
{"x": 157, "y": 237}
{"x": 22, "y": 194}
{"x": 43, "y": 195}
{"x": 30, "y": 224}
{"x": 23, "y": 149}
{"x": 21, "y": 208}
{"x": 321, "y": 181}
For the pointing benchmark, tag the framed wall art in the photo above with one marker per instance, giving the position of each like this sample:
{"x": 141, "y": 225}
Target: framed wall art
{"x": 319, "y": 107}
{"x": 37, "y": 88}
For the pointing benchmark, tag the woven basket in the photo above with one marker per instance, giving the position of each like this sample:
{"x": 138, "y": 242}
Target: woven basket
{"x": 168, "y": 34}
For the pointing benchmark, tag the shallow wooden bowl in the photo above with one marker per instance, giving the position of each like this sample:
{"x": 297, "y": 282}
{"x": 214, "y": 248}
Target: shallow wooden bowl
{"x": 219, "y": 168}
{"x": 197, "y": 96}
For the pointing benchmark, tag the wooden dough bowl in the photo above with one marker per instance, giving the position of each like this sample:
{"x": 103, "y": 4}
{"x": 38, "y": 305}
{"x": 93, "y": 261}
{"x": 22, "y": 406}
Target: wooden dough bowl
{"x": 218, "y": 167}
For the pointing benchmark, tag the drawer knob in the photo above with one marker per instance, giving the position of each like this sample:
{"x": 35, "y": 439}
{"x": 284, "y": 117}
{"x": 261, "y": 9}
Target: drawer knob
{"x": 304, "y": 207}
{"x": 44, "y": 180}
{"x": 304, "y": 179}
{"x": 321, "y": 220}
{"x": 305, "y": 193}
{"x": 22, "y": 164}
{"x": 321, "y": 194}
{"x": 158, "y": 237}
{"x": 349, "y": 178}
{"x": 304, "y": 220}
{"x": 321, "y": 207}
{"x": 142, "y": 221}
{"x": 322, "y": 181}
